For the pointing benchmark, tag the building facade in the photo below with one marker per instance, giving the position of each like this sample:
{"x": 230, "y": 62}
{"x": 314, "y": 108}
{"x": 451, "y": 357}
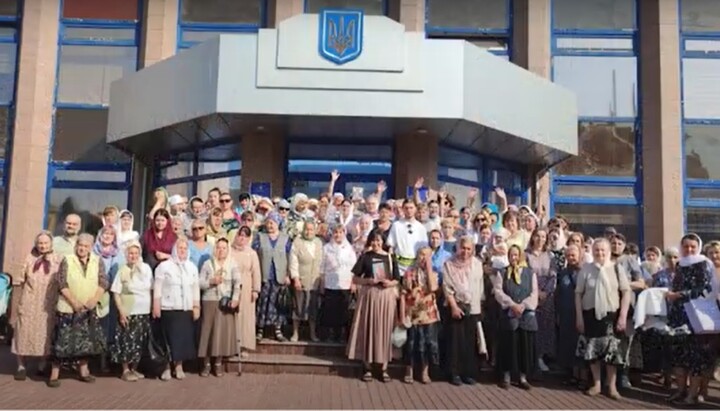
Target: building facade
{"x": 646, "y": 75}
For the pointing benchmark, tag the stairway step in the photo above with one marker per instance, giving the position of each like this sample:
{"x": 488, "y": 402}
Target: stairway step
{"x": 301, "y": 348}
{"x": 304, "y": 364}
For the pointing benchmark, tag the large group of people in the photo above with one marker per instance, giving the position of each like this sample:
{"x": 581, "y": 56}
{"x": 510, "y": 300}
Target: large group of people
{"x": 445, "y": 285}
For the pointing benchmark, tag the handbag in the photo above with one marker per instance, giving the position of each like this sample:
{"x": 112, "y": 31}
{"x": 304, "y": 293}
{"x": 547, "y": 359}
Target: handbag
{"x": 157, "y": 348}
{"x": 284, "y": 303}
{"x": 704, "y": 315}
{"x": 225, "y": 304}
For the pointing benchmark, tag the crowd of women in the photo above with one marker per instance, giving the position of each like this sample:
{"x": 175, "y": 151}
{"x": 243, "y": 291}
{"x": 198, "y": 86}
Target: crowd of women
{"x": 454, "y": 287}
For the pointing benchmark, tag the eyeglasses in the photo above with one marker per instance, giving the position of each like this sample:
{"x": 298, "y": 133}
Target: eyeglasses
{"x": 225, "y": 200}
{"x": 284, "y": 209}
{"x": 262, "y": 210}
{"x": 198, "y": 228}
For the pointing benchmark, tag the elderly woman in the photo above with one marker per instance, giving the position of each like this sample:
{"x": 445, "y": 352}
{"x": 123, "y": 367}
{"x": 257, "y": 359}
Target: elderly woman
{"x": 82, "y": 283}
{"x": 248, "y": 265}
{"x": 199, "y": 247}
{"x": 540, "y": 261}
{"x": 516, "y": 291}
{"x": 297, "y": 216}
{"x": 336, "y": 279}
{"x": 106, "y": 247}
{"x": 176, "y": 302}
{"x": 230, "y": 219}
{"x": 35, "y": 296}
{"x": 132, "y": 295}
{"x": 305, "y": 261}
{"x": 565, "y": 311}
{"x": 692, "y": 354}
{"x": 215, "y": 227}
{"x": 362, "y": 230}
{"x": 220, "y": 282}
{"x": 464, "y": 289}
{"x": 370, "y": 337}
{"x": 419, "y": 288}
{"x": 602, "y": 300}
{"x": 273, "y": 248}
{"x": 158, "y": 239}
{"x": 126, "y": 234}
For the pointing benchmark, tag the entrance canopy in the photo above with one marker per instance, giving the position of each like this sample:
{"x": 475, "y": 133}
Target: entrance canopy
{"x": 210, "y": 96}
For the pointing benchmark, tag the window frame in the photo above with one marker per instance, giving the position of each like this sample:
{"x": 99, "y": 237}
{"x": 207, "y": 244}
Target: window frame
{"x": 183, "y": 26}
{"x": 636, "y": 182}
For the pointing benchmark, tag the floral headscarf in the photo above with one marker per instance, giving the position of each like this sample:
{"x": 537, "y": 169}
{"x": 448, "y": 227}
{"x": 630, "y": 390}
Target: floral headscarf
{"x": 42, "y": 259}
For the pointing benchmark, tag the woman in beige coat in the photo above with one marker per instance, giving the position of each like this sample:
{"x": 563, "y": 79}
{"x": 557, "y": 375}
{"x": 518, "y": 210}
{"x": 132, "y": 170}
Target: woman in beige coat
{"x": 249, "y": 265}
{"x": 305, "y": 258}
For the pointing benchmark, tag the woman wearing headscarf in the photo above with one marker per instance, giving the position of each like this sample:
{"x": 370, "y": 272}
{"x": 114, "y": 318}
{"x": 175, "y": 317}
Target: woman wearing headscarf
{"x": 126, "y": 234}
{"x": 652, "y": 263}
{"x": 692, "y": 354}
{"x": 176, "y": 302}
{"x": 131, "y": 290}
{"x": 158, "y": 240}
{"x": 220, "y": 282}
{"x": 305, "y": 260}
{"x": 602, "y": 300}
{"x": 35, "y": 296}
{"x": 297, "y": 216}
{"x": 336, "y": 278}
{"x": 419, "y": 288}
{"x": 516, "y": 290}
{"x": 370, "y": 337}
{"x": 106, "y": 247}
{"x": 82, "y": 283}
{"x": 215, "y": 228}
{"x": 464, "y": 288}
{"x": 362, "y": 230}
{"x": 248, "y": 265}
{"x": 273, "y": 248}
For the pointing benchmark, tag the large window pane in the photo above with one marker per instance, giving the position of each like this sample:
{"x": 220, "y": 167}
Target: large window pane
{"x": 594, "y": 43}
{"x": 374, "y": 7}
{"x": 105, "y": 9}
{"x": 593, "y": 14}
{"x": 340, "y": 152}
{"x": 8, "y": 53}
{"x": 468, "y": 14}
{"x": 701, "y": 88}
{"x": 592, "y": 219}
{"x": 700, "y": 15}
{"x": 184, "y": 189}
{"x": 8, "y": 7}
{"x": 594, "y": 191}
{"x": 87, "y": 71}
{"x": 705, "y": 222}
{"x": 605, "y": 86}
{"x": 605, "y": 149}
{"x": 221, "y": 11}
{"x": 80, "y": 136}
{"x": 87, "y": 203}
{"x": 98, "y": 34}
{"x": 702, "y": 151}
{"x": 179, "y": 170}
{"x": 459, "y": 191}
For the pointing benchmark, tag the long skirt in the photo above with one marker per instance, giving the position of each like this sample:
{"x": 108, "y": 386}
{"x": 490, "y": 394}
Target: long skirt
{"x": 693, "y": 353}
{"x": 266, "y": 307}
{"x": 218, "y": 335}
{"x": 422, "y": 345}
{"x": 334, "y": 308}
{"x": 461, "y": 338}
{"x": 179, "y": 330}
{"x": 78, "y": 336}
{"x": 129, "y": 343}
{"x": 516, "y": 351}
{"x": 601, "y": 342}
{"x": 305, "y": 305}
{"x": 370, "y": 337}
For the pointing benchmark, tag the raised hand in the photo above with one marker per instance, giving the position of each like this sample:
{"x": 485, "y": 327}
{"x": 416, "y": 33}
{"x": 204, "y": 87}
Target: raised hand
{"x": 334, "y": 175}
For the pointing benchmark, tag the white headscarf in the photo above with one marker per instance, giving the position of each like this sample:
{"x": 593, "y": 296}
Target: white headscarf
{"x": 689, "y": 260}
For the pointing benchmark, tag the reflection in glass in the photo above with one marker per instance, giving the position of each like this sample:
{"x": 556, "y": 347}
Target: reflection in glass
{"x": 605, "y": 86}
{"x": 460, "y": 192}
{"x": 705, "y": 46}
{"x": 83, "y": 175}
{"x": 184, "y": 189}
{"x": 312, "y": 188}
{"x": 80, "y": 136}
{"x": 572, "y": 190}
{"x": 604, "y": 149}
{"x": 702, "y": 150}
{"x": 373, "y": 7}
{"x": 592, "y": 44}
{"x": 98, "y": 34}
{"x": 592, "y": 220}
{"x": 87, "y": 71}
{"x": 509, "y": 180}
{"x": 222, "y": 11}
{"x": 700, "y": 15}
{"x": 701, "y": 88}
{"x": 593, "y": 14}
{"x": 704, "y": 221}
{"x": 8, "y": 54}
{"x": 450, "y": 157}
{"x": 87, "y": 203}
{"x": 704, "y": 193}
{"x": 468, "y": 14}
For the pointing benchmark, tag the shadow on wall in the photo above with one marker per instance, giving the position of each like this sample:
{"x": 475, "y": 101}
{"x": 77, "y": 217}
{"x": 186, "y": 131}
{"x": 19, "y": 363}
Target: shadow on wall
{"x": 91, "y": 222}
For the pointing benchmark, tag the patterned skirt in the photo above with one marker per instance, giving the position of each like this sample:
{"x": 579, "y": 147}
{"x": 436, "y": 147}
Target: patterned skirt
{"x": 600, "y": 341}
{"x": 129, "y": 343}
{"x": 694, "y": 353}
{"x": 422, "y": 345}
{"x": 78, "y": 335}
{"x": 267, "y": 309}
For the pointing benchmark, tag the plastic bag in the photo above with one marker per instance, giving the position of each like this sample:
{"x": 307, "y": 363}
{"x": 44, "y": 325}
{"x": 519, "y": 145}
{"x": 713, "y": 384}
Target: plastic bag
{"x": 399, "y": 337}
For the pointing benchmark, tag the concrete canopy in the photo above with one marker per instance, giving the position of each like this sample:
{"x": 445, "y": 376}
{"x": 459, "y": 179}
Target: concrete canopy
{"x": 209, "y": 96}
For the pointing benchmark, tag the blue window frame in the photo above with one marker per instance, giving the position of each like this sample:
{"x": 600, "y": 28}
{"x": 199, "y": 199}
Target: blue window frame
{"x": 196, "y": 177}
{"x": 460, "y": 19}
{"x": 201, "y": 20}
{"x": 92, "y": 52}
{"x": 370, "y": 7}
{"x": 700, "y": 65}
{"x": 595, "y": 54}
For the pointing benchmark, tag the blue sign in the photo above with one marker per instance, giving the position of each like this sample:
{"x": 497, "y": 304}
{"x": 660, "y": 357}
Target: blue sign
{"x": 341, "y": 35}
{"x": 261, "y": 189}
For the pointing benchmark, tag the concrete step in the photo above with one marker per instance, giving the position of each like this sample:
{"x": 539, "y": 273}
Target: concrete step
{"x": 304, "y": 364}
{"x": 307, "y": 348}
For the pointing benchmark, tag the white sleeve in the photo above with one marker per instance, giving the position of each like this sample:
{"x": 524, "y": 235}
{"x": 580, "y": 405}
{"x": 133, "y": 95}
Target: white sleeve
{"x": 392, "y": 241}
{"x": 116, "y": 286}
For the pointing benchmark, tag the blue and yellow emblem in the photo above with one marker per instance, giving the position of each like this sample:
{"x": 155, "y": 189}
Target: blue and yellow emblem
{"x": 341, "y": 34}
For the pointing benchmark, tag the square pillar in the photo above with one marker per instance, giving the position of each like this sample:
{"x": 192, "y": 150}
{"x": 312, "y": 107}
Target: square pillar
{"x": 35, "y": 93}
{"x": 263, "y": 160}
{"x": 532, "y": 34}
{"x": 662, "y": 141}
{"x": 411, "y": 13}
{"x": 159, "y": 31}
{"x": 279, "y": 10}
{"x": 415, "y": 155}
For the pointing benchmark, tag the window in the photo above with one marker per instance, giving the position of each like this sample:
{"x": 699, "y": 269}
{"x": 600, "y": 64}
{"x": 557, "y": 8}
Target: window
{"x": 340, "y": 152}
{"x": 702, "y": 150}
{"x": 594, "y": 191}
{"x": 594, "y": 14}
{"x": 88, "y": 203}
{"x": 371, "y": 7}
{"x": 592, "y": 219}
{"x": 9, "y": 8}
{"x": 701, "y": 86}
{"x": 700, "y": 15}
{"x": 201, "y": 20}
{"x": 605, "y": 149}
{"x": 100, "y": 10}
{"x": 704, "y": 221}
{"x": 80, "y": 136}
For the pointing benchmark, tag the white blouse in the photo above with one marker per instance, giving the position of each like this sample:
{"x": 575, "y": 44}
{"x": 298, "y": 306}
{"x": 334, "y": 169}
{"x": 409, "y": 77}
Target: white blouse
{"x": 177, "y": 285}
{"x": 137, "y": 286}
{"x": 336, "y": 266}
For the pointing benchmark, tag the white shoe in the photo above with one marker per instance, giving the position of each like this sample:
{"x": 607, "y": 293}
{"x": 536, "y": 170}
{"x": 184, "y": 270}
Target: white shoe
{"x": 166, "y": 375}
{"x": 542, "y": 366}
